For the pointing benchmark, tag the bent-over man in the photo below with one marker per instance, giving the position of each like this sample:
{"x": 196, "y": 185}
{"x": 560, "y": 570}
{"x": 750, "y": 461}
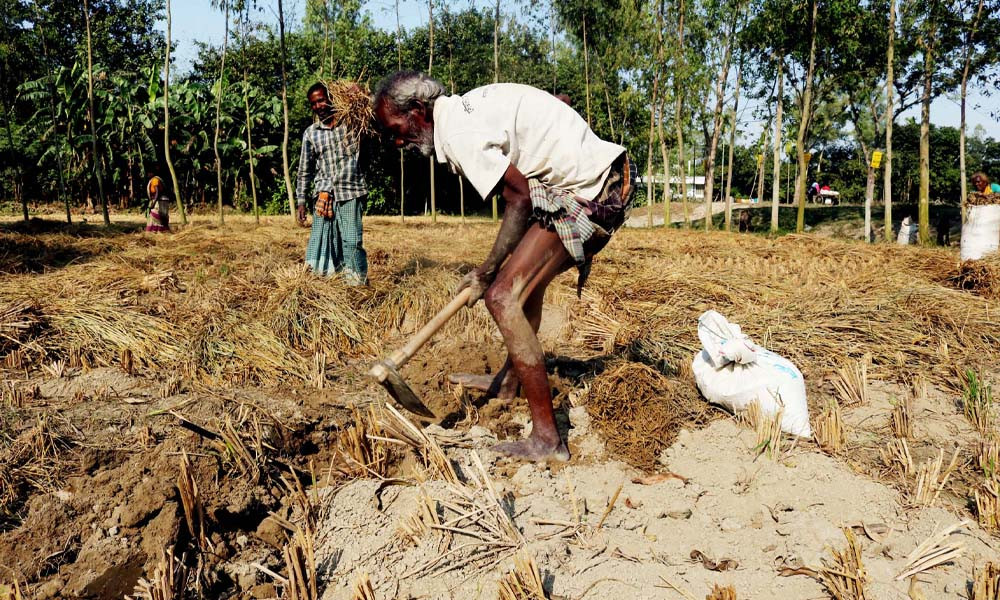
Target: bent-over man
{"x": 566, "y": 192}
{"x": 332, "y": 165}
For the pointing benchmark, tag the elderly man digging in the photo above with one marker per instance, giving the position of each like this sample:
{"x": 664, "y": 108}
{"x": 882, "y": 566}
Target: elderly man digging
{"x": 566, "y": 192}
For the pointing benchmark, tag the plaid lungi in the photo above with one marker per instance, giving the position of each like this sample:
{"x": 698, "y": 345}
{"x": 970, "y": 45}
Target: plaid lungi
{"x": 577, "y": 220}
{"x": 336, "y": 243}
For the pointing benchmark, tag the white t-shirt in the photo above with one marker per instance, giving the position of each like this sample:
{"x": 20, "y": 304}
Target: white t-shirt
{"x": 481, "y": 133}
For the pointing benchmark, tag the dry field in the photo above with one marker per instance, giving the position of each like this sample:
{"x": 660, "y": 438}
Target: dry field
{"x": 187, "y": 415}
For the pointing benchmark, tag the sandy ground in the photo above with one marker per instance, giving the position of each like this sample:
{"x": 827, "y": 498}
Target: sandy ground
{"x": 761, "y": 513}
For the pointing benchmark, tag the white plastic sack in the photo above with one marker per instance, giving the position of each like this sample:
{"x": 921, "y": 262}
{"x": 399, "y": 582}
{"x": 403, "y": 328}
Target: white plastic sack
{"x": 734, "y": 372}
{"x": 907, "y": 232}
{"x": 981, "y": 231}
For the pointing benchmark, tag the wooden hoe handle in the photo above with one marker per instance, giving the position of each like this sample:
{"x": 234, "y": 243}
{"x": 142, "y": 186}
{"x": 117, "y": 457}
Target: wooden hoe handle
{"x": 399, "y": 357}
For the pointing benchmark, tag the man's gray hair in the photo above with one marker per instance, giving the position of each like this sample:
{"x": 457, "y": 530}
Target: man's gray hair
{"x": 402, "y": 90}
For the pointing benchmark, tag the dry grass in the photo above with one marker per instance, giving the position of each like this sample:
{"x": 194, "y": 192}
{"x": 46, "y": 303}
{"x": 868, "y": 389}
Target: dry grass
{"x": 657, "y": 408}
{"x": 900, "y": 420}
{"x": 168, "y": 581}
{"x": 401, "y": 430}
{"x": 362, "y": 449}
{"x": 987, "y": 499}
{"x": 300, "y": 564}
{"x": 936, "y": 550}
{"x": 523, "y": 581}
{"x": 194, "y": 508}
{"x": 351, "y": 102}
{"x": 896, "y": 456}
{"x": 851, "y": 382}
{"x": 28, "y": 461}
{"x": 362, "y": 588}
{"x": 722, "y": 593}
{"x": 768, "y": 428}
{"x": 980, "y": 276}
{"x": 931, "y": 480}
{"x": 988, "y": 457}
{"x": 844, "y": 576}
{"x": 986, "y": 582}
{"x": 977, "y": 402}
{"x": 829, "y": 429}
{"x": 421, "y": 521}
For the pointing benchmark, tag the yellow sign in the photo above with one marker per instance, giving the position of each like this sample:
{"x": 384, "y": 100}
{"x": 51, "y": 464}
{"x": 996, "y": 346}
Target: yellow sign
{"x": 808, "y": 156}
{"x": 876, "y": 159}
{"x": 760, "y": 159}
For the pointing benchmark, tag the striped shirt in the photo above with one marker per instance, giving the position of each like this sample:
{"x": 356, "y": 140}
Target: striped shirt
{"x": 330, "y": 162}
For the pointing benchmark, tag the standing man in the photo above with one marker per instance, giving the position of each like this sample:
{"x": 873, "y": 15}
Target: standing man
{"x": 331, "y": 164}
{"x": 566, "y": 191}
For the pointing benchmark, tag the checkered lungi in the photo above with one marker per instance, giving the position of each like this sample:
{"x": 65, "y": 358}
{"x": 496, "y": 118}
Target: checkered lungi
{"x": 585, "y": 226}
{"x": 336, "y": 242}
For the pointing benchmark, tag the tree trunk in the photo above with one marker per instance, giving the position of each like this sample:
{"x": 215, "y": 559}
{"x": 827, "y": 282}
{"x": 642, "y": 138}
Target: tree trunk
{"x": 284, "y": 110}
{"x": 586, "y": 64}
{"x": 965, "y": 82}
{"x": 804, "y": 122}
{"x": 98, "y": 173}
{"x": 890, "y": 116}
{"x": 732, "y": 142}
{"x": 678, "y": 112}
{"x": 218, "y": 109}
{"x": 166, "y": 124}
{"x": 665, "y": 156}
{"x": 18, "y": 176}
{"x": 924, "y": 199}
{"x": 720, "y": 101}
{"x": 776, "y": 179}
{"x": 869, "y": 198}
{"x": 430, "y": 72}
{"x": 650, "y": 184}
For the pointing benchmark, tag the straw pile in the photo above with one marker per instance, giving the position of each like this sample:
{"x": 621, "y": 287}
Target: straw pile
{"x": 982, "y": 198}
{"x": 980, "y": 276}
{"x": 639, "y": 411}
{"x": 352, "y": 106}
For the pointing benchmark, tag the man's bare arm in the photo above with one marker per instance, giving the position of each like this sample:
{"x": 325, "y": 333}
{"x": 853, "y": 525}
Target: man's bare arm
{"x": 514, "y": 189}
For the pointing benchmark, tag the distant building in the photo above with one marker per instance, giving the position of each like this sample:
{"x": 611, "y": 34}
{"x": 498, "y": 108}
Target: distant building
{"x": 695, "y": 185}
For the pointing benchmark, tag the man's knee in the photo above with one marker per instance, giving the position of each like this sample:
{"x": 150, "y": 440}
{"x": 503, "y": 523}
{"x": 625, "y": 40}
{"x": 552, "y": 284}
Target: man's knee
{"x": 498, "y": 298}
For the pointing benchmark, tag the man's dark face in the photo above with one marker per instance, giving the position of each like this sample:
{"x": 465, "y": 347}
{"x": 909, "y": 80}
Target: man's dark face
{"x": 979, "y": 183}
{"x": 320, "y": 105}
{"x": 411, "y": 130}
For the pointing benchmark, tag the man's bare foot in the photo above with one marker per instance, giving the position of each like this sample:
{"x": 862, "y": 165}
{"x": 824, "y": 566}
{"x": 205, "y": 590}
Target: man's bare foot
{"x": 503, "y": 385}
{"x": 533, "y": 449}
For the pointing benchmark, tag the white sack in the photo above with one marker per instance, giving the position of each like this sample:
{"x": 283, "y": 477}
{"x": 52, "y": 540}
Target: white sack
{"x": 981, "y": 231}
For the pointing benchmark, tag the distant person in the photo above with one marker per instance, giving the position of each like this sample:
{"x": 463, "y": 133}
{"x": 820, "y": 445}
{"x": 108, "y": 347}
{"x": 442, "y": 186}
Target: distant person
{"x": 331, "y": 176}
{"x": 983, "y": 185}
{"x": 565, "y": 99}
{"x": 812, "y": 192}
{"x": 943, "y": 227}
{"x": 158, "y": 205}
{"x": 744, "y": 221}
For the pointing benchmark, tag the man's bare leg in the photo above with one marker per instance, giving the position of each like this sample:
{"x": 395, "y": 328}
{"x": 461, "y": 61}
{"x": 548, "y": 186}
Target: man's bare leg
{"x": 504, "y": 384}
{"x": 536, "y": 260}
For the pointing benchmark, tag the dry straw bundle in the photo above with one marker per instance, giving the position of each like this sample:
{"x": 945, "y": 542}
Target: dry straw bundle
{"x": 845, "y": 577}
{"x": 986, "y": 583}
{"x": 351, "y": 102}
{"x": 639, "y": 410}
{"x": 523, "y": 581}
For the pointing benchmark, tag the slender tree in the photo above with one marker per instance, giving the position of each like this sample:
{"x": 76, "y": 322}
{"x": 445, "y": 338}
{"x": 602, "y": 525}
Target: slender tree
{"x": 246, "y": 106}
{"x": 717, "y": 117}
{"x": 732, "y": 143}
{"x": 284, "y": 109}
{"x": 776, "y": 175}
{"x": 98, "y": 172}
{"x": 8, "y": 126}
{"x": 402, "y": 160}
{"x": 220, "y": 88}
{"x": 970, "y": 40}
{"x": 805, "y": 119}
{"x": 680, "y": 67}
{"x": 889, "y": 117}
{"x": 166, "y": 123}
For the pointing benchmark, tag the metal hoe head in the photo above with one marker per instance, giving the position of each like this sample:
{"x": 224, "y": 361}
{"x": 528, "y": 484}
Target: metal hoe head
{"x": 386, "y": 374}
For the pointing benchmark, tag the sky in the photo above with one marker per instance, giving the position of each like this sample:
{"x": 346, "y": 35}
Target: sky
{"x": 195, "y": 20}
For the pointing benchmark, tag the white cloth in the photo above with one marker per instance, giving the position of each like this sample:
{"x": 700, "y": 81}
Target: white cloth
{"x": 483, "y": 132}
